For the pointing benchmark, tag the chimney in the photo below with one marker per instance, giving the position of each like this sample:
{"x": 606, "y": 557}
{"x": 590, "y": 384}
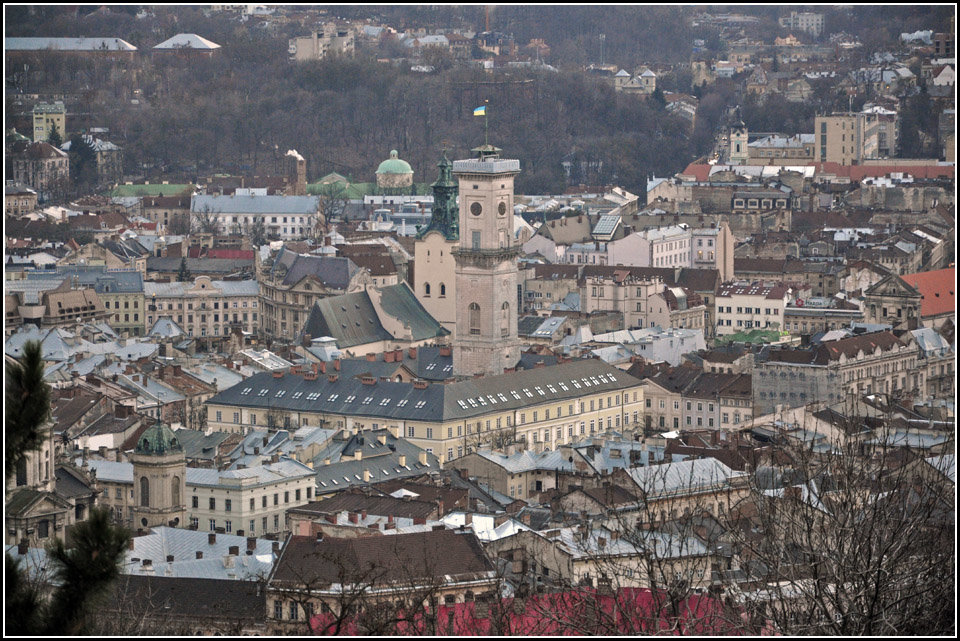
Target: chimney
{"x": 169, "y": 558}
{"x": 319, "y": 536}
{"x": 234, "y": 550}
{"x": 363, "y": 515}
{"x": 419, "y": 520}
{"x": 276, "y": 547}
{"x": 372, "y": 357}
{"x": 212, "y": 538}
{"x": 366, "y": 476}
{"x": 148, "y": 564}
{"x": 382, "y": 439}
{"x": 420, "y": 384}
{"x": 251, "y": 543}
{"x": 129, "y": 544}
{"x": 323, "y": 368}
{"x": 199, "y": 554}
{"x": 402, "y": 460}
{"x": 358, "y": 454}
{"x": 445, "y": 351}
{"x": 24, "y": 546}
{"x": 336, "y": 364}
{"x": 368, "y": 380}
{"x": 333, "y": 378}
{"x": 422, "y": 457}
{"x": 353, "y": 517}
{"x": 412, "y": 352}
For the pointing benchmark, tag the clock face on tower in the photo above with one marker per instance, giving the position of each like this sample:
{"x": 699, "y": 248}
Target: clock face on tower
{"x": 476, "y": 209}
{"x": 502, "y": 208}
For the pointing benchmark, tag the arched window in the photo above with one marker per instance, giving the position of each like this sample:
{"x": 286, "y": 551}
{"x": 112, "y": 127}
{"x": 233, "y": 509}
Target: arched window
{"x": 443, "y": 289}
{"x": 505, "y": 319}
{"x": 176, "y": 491}
{"x": 426, "y": 289}
{"x": 144, "y": 492}
{"x": 474, "y": 318}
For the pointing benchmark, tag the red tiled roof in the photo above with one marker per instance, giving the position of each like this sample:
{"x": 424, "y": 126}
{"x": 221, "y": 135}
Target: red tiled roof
{"x": 938, "y": 291}
{"x": 699, "y": 172}
{"x": 856, "y": 173}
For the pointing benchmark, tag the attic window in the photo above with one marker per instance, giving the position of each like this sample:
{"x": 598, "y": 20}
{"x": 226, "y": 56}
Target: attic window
{"x": 334, "y": 482}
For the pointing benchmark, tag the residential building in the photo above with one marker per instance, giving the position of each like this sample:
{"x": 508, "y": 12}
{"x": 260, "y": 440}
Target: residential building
{"x": 332, "y": 38}
{"x": 808, "y": 22}
{"x": 246, "y": 502}
{"x": 18, "y": 199}
{"x": 38, "y": 165}
{"x": 165, "y": 210}
{"x": 543, "y": 406}
{"x": 851, "y": 138}
{"x": 866, "y": 363}
{"x": 291, "y": 284}
{"x": 205, "y": 307}
{"x": 120, "y": 291}
{"x": 283, "y": 217}
{"x": 782, "y": 150}
{"x": 814, "y": 315}
{"x": 936, "y": 358}
{"x": 742, "y": 305}
{"x": 48, "y": 304}
{"x": 316, "y": 574}
{"x": 48, "y": 118}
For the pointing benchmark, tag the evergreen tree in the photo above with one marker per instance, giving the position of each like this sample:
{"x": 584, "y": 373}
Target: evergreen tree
{"x": 55, "y": 138}
{"x": 183, "y": 276}
{"x": 85, "y": 572}
{"x": 83, "y": 163}
{"x": 28, "y": 405}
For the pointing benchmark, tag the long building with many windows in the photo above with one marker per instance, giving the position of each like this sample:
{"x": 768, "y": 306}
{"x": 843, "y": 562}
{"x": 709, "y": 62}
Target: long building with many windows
{"x": 543, "y": 407}
{"x": 205, "y": 307}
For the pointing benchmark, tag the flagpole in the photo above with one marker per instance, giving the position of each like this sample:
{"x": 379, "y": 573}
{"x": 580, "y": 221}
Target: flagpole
{"x": 486, "y": 124}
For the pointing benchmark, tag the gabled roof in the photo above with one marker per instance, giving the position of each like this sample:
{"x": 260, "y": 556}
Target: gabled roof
{"x": 187, "y": 41}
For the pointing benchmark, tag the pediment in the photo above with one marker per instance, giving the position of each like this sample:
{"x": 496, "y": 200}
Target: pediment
{"x": 892, "y": 285}
{"x": 36, "y": 504}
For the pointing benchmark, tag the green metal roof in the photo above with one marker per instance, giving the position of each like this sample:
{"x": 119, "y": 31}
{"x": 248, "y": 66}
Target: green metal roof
{"x": 158, "y": 439}
{"x": 394, "y": 165}
{"x": 152, "y": 190}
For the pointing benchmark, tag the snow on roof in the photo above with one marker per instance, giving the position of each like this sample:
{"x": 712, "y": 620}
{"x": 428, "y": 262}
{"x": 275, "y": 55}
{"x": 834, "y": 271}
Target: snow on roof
{"x": 187, "y": 41}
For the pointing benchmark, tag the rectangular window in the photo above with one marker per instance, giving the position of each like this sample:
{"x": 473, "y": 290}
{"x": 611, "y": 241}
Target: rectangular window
{"x": 228, "y": 526}
{"x": 213, "y": 525}
{"x": 276, "y": 499}
{"x": 196, "y": 500}
{"x": 286, "y": 497}
{"x": 227, "y": 505}
{"x": 213, "y": 503}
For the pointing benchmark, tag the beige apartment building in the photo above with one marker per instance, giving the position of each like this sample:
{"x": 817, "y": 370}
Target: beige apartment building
{"x": 542, "y": 407}
{"x": 330, "y": 39}
{"x": 204, "y": 307}
{"x": 852, "y": 138}
{"x": 46, "y": 118}
{"x": 746, "y": 306}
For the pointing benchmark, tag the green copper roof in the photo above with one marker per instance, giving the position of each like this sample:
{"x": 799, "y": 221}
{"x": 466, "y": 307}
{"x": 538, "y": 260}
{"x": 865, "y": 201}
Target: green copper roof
{"x": 445, "y": 216}
{"x": 393, "y": 165}
{"x": 158, "y": 439}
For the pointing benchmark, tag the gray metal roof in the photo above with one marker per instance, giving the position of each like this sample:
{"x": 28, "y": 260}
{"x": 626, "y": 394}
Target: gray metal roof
{"x": 262, "y": 205}
{"x": 333, "y": 271}
{"x": 98, "y": 277}
{"x": 452, "y": 401}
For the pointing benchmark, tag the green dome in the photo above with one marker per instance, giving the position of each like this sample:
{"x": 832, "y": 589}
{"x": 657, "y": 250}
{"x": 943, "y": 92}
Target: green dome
{"x": 393, "y": 165}
{"x": 158, "y": 439}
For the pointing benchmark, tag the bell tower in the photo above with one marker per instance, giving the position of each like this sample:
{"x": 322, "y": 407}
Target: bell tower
{"x": 159, "y": 479}
{"x": 486, "y": 265}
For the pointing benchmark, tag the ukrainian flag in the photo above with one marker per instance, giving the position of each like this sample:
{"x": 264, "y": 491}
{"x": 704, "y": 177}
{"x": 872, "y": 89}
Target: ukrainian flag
{"x": 480, "y": 111}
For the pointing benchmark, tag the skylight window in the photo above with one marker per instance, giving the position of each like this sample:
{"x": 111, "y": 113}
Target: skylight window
{"x": 334, "y": 481}
{"x": 563, "y": 387}
{"x": 263, "y": 392}
{"x": 314, "y": 396}
{"x": 528, "y": 392}
{"x": 503, "y": 399}
{"x": 430, "y": 366}
{"x": 350, "y": 399}
{"x": 401, "y": 403}
{"x": 515, "y": 395}
{"x": 385, "y": 401}
{"x": 332, "y": 398}
{"x": 246, "y": 390}
{"x": 492, "y": 400}
{"x": 420, "y": 404}
{"x": 540, "y": 390}
{"x": 553, "y": 390}
{"x": 367, "y": 400}
{"x": 462, "y": 404}
{"x": 297, "y": 395}
{"x": 281, "y": 393}
{"x": 448, "y": 368}
{"x": 481, "y": 400}
{"x": 472, "y": 402}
